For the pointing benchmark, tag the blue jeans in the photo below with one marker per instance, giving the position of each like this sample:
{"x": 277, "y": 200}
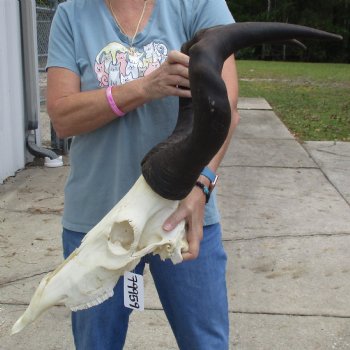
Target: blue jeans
{"x": 193, "y": 295}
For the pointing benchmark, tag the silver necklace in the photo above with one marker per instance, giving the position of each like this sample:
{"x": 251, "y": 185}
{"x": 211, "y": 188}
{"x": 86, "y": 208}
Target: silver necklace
{"x": 138, "y": 24}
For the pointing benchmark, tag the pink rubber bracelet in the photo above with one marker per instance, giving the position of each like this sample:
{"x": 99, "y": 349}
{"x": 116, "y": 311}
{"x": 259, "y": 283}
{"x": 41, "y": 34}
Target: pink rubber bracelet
{"x": 112, "y": 103}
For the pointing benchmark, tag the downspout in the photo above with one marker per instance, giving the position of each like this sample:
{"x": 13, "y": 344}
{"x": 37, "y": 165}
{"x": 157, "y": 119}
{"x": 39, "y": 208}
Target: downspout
{"x": 30, "y": 83}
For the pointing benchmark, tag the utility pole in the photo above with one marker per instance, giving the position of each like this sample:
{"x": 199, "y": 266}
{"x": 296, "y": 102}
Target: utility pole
{"x": 263, "y": 51}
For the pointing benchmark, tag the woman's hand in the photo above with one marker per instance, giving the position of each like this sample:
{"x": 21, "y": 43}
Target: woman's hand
{"x": 191, "y": 209}
{"x": 170, "y": 79}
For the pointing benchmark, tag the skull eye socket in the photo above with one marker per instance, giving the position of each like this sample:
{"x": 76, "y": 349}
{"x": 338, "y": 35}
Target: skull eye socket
{"x": 122, "y": 234}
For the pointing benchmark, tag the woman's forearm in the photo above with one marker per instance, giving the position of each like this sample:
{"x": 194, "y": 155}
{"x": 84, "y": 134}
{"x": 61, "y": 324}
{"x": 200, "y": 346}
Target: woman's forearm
{"x": 230, "y": 77}
{"x": 78, "y": 112}
{"x": 73, "y": 112}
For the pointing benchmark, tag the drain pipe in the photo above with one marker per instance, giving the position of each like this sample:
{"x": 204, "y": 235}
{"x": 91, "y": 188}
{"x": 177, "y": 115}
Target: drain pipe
{"x": 30, "y": 83}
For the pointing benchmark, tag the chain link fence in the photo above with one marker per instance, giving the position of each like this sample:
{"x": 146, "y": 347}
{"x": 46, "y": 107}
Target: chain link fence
{"x": 45, "y": 10}
{"x": 44, "y": 17}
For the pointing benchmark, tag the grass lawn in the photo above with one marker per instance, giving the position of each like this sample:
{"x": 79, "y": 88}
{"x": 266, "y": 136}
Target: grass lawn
{"x": 312, "y": 99}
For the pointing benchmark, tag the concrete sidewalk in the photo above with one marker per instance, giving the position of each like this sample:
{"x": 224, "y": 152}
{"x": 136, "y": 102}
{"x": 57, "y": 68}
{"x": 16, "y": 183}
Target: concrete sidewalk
{"x": 286, "y": 220}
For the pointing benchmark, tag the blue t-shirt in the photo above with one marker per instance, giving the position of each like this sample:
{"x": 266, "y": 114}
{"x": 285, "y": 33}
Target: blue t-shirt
{"x": 85, "y": 39}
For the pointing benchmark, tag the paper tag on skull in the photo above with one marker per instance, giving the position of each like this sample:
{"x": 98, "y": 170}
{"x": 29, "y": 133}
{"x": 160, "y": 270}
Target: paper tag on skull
{"x": 133, "y": 291}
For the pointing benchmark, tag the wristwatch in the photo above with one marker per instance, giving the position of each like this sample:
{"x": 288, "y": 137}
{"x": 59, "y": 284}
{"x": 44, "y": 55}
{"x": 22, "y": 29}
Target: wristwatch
{"x": 211, "y": 176}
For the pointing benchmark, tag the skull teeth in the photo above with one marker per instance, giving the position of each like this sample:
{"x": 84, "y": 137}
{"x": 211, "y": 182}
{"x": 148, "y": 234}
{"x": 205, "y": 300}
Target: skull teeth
{"x": 99, "y": 300}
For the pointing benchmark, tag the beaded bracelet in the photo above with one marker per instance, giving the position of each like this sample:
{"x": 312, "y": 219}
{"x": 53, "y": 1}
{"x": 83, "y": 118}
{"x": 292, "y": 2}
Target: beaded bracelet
{"x": 205, "y": 190}
{"x": 112, "y": 103}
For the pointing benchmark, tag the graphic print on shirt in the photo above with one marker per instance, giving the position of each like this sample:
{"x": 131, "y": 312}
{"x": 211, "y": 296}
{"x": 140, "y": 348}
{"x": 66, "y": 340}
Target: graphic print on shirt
{"x": 116, "y": 64}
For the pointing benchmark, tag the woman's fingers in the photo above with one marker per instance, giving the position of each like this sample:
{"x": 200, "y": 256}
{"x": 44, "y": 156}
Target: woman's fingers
{"x": 170, "y": 79}
{"x": 178, "y": 57}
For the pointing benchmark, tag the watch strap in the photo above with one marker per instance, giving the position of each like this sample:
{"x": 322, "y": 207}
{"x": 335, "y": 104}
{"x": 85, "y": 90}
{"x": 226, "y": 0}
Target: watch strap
{"x": 211, "y": 176}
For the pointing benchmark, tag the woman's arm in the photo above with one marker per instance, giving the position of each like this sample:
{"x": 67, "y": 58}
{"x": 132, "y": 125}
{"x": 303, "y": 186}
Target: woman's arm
{"x": 73, "y": 112}
{"x": 191, "y": 209}
{"x": 230, "y": 76}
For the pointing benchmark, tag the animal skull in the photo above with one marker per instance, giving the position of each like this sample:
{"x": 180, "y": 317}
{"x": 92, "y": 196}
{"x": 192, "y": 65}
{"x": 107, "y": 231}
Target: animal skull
{"x": 132, "y": 229}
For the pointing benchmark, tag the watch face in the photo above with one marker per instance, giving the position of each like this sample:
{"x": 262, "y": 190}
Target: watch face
{"x": 210, "y": 175}
{"x": 213, "y": 183}
{"x": 215, "y": 180}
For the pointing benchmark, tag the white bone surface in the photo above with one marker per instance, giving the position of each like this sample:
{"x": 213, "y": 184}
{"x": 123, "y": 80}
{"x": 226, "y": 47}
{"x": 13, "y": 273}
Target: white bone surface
{"x": 132, "y": 229}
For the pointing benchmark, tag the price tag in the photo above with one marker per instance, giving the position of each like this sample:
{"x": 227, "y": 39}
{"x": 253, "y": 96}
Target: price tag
{"x": 133, "y": 291}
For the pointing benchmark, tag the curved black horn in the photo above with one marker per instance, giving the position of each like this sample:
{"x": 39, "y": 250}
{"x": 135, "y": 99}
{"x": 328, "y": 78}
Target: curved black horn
{"x": 172, "y": 167}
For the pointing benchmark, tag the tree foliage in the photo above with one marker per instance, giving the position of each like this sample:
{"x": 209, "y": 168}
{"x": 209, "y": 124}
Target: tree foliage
{"x": 330, "y": 15}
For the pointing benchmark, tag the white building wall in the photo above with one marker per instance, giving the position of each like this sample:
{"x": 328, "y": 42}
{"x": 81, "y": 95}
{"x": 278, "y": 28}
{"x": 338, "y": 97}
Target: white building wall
{"x": 12, "y": 134}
